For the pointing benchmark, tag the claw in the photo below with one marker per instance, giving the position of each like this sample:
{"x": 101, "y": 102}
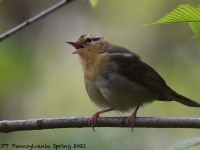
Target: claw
{"x": 131, "y": 119}
{"x": 93, "y": 120}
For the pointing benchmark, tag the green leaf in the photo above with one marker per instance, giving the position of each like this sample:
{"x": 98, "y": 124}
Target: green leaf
{"x": 182, "y": 13}
{"x": 94, "y": 3}
{"x": 195, "y": 26}
{"x": 185, "y": 144}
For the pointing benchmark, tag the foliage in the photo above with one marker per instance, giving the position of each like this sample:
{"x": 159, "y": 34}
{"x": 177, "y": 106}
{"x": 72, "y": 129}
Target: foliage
{"x": 184, "y": 13}
{"x": 94, "y": 3}
{"x": 185, "y": 144}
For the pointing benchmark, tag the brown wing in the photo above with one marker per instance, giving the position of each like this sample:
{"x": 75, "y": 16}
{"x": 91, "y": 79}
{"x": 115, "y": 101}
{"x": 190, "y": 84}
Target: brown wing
{"x": 132, "y": 68}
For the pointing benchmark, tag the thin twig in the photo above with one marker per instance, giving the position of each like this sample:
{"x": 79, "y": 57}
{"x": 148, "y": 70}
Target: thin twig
{"x": 80, "y": 122}
{"x": 26, "y": 23}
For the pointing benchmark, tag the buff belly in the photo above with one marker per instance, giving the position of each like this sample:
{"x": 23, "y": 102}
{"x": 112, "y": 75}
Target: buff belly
{"x": 115, "y": 91}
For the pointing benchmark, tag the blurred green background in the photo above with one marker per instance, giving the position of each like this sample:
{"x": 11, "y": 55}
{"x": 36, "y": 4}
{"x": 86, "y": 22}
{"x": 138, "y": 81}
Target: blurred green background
{"x": 39, "y": 78}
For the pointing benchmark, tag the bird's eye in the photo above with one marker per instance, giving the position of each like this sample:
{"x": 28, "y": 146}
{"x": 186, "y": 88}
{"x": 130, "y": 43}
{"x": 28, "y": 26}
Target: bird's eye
{"x": 88, "y": 40}
{"x": 96, "y": 39}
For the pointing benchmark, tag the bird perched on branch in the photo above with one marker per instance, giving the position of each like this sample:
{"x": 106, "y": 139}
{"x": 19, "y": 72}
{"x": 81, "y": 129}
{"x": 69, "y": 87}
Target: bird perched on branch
{"x": 117, "y": 79}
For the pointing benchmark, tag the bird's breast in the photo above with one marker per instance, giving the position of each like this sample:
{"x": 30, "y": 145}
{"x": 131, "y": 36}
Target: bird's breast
{"x": 95, "y": 65}
{"x": 94, "y": 69}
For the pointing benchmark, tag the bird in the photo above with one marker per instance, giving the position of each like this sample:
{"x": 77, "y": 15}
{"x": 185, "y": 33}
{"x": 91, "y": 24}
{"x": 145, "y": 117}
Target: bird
{"x": 116, "y": 79}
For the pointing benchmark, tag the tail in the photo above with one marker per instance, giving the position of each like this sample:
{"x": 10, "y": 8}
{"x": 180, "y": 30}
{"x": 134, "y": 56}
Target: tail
{"x": 184, "y": 100}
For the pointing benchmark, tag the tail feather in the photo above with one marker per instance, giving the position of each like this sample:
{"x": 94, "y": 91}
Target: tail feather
{"x": 184, "y": 100}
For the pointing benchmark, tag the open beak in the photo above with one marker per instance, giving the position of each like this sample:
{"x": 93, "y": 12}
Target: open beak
{"x": 77, "y": 46}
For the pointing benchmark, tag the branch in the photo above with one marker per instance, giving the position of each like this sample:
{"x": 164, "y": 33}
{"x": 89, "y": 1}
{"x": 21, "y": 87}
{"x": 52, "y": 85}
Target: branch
{"x": 80, "y": 122}
{"x": 26, "y": 23}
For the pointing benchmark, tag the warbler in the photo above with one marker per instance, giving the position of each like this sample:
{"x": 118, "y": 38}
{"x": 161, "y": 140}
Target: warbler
{"x": 117, "y": 79}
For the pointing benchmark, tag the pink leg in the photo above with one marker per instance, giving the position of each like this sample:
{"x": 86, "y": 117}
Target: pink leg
{"x": 131, "y": 119}
{"x": 93, "y": 119}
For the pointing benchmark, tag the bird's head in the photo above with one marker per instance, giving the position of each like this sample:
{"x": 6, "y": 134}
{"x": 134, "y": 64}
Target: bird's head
{"x": 89, "y": 43}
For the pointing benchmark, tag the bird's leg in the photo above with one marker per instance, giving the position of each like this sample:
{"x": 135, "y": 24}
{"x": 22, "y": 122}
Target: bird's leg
{"x": 93, "y": 119}
{"x": 131, "y": 119}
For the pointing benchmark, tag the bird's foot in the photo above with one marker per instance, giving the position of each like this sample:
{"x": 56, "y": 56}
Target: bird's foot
{"x": 93, "y": 120}
{"x": 131, "y": 119}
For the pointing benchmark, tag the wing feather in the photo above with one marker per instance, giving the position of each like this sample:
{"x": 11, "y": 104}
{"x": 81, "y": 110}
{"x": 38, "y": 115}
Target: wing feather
{"x": 131, "y": 67}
